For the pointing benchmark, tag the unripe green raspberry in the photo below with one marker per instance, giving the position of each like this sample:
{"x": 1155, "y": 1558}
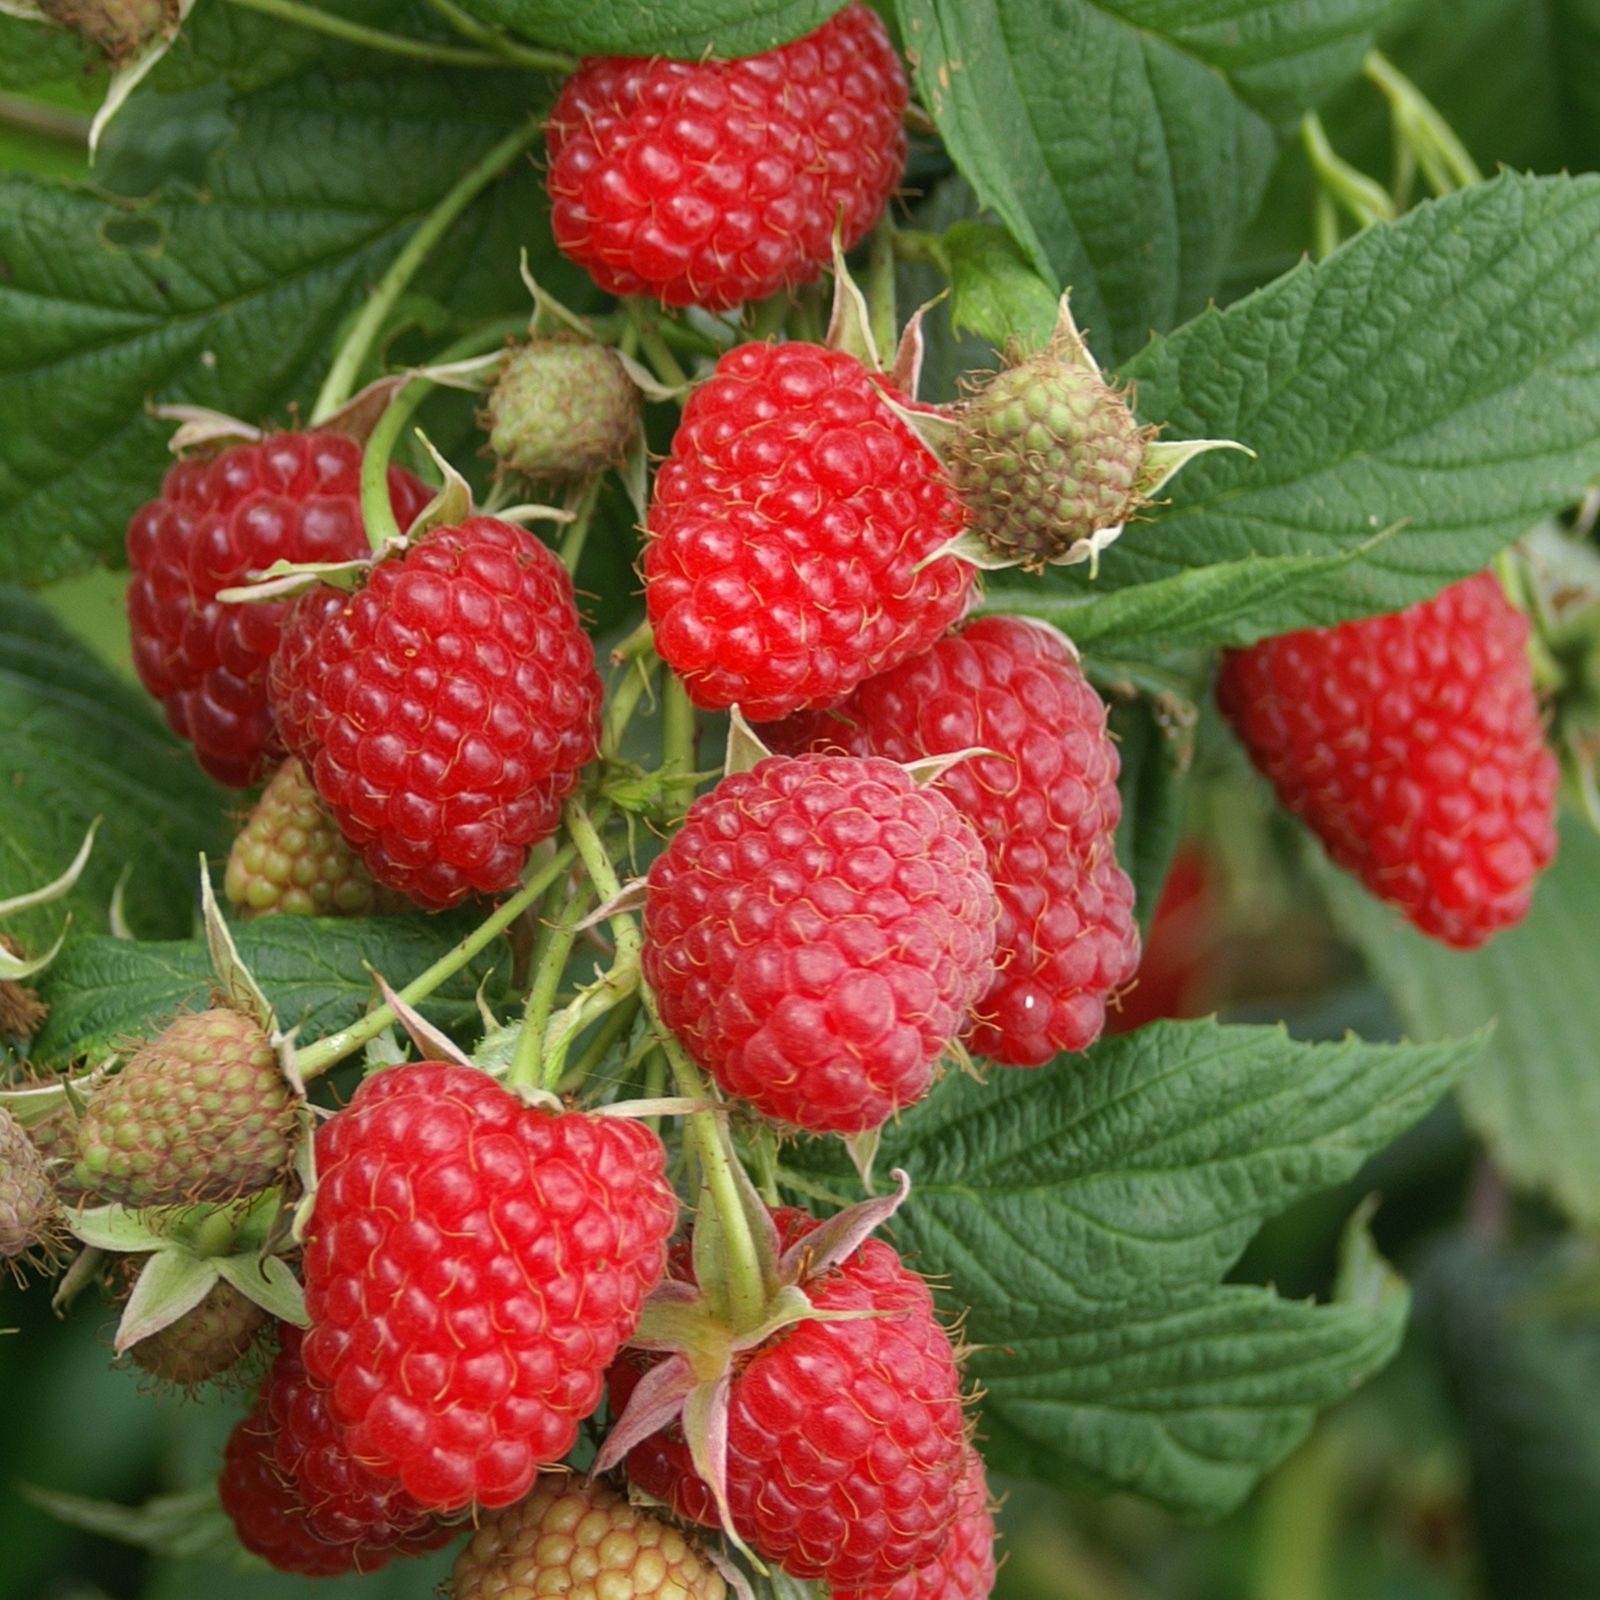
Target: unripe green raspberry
{"x": 579, "y": 1539}
{"x": 564, "y": 408}
{"x": 291, "y": 859}
{"x": 1048, "y": 453}
{"x": 121, "y": 28}
{"x": 204, "y": 1343}
{"x": 202, "y": 1112}
{"x": 30, "y": 1214}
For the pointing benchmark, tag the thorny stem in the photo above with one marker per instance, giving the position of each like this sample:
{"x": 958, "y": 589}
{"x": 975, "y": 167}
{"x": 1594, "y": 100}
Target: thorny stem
{"x": 341, "y": 379}
{"x": 706, "y": 1132}
{"x": 394, "y": 44}
{"x": 327, "y": 1052}
{"x": 511, "y": 51}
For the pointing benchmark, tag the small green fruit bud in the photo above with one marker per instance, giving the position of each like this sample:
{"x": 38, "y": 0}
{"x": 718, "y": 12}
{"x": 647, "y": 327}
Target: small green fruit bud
{"x": 564, "y": 408}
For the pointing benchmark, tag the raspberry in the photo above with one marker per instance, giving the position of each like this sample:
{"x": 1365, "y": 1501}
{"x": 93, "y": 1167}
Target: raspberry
{"x": 204, "y": 1343}
{"x": 715, "y": 182}
{"x": 30, "y": 1215}
{"x": 786, "y": 530}
{"x": 581, "y": 1539}
{"x": 562, "y": 409}
{"x": 292, "y": 497}
{"x": 846, "y": 1442}
{"x": 816, "y": 933}
{"x": 201, "y": 1112}
{"x": 445, "y": 709}
{"x": 472, "y": 1265}
{"x": 297, "y": 1494}
{"x": 290, "y": 858}
{"x": 1411, "y": 746}
{"x": 1045, "y": 804}
{"x": 964, "y": 1569}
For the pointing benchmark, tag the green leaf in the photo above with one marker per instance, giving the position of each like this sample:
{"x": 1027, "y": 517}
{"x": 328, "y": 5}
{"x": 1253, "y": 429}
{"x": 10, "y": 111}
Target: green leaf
{"x": 994, "y": 292}
{"x": 31, "y": 53}
{"x": 189, "y": 1524}
{"x": 1126, "y": 143}
{"x": 1085, "y": 1214}
{"x": 1521, "y": 1353}
{"x": 1438, "y": 377}
{"x": 230, "y": 296}
{"x": 77, "y": 743}
{"x": 689, "y": 28}
{"x": 1535, "y": 1094}
{"x": 315, "y": 972}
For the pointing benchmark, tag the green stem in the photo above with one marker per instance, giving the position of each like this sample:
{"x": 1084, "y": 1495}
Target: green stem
{"x": 881, "y": 309}
{"x": 1365, "y": 200}
{"x": 556, "y": 939}
{"x": 1324, "y": 225}
{"x": 765, "y": 1149}
{"x": 636, "y": 682}
{"x": 376, "y": 510}
{"x": 394, "y": 44}
{"x": 706, "y": 1133}
{"x": 677, "y": 744}
{"x": 341, "y": 380}
{"x": 654, "y": 348}
{"x": 617, "y": 1021}
{"x": 768, "y": 319}
{"x": 328, "y": 1051}
{"x": 509, "y": 50}
{"x": 577, "y": 531}
{"x": 1418, "y": 124}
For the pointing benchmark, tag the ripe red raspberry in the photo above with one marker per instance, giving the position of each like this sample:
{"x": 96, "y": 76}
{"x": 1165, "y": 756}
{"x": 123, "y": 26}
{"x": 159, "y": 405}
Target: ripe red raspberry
{"x": 1045, "y": 804}
{"x": 846, "y": 1440}
{"x": 816, "y": 934}
{"x": 964, "y": 1569}
{"x": 471, "y": 1267}
{"x": 445, "y": 709}
{"x": 1411, "y": 746}
{"x": 715, "y": 182}
{"x": 786, "y": 530}
{"x": 297, "y": 1494}
{"x": 292, "y": 497}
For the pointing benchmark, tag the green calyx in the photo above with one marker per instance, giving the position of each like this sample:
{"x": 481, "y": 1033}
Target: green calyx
{"x": 563, "y": 409}
{"x": 119, "y": 28}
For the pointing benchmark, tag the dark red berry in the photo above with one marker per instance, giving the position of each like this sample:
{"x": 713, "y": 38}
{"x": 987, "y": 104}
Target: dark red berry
{"x": 292, "y": 497}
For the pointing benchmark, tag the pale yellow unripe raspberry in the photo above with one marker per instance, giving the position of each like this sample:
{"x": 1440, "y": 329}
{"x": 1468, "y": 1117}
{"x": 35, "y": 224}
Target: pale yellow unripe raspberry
{"x": 582, "y": 1541}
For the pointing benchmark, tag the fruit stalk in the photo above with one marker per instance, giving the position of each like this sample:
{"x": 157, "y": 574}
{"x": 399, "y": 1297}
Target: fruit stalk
{"x": 394, "y": 44}
{"x": 341, "y": 380}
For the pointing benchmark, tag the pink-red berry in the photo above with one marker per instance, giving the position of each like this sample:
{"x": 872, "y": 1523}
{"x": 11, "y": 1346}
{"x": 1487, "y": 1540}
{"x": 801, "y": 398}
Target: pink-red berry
{"x": 299, "y": 1496}
{"x": 1411, "y": 745}
{"x": 472, "y": 1265}
{"x": 291, "y": 497}
{"x": 816, "y": 933}
{"x": 715, "y": 182}
{"x": 787, "y": 534}
{"x": 445, "y": 709}
{"x": 1045, "y": 803}
{"x": 847, "y": 1446}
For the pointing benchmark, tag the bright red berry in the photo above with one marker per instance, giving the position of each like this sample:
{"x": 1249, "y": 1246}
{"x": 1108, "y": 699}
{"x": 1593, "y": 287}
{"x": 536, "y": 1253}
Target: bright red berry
{"x": 291, "y": 497}
{"x": 816, "y": 933}
{"x": 1045, "y": 804}
{"x": 786, "y": 532}
{"x": 300, "y": 1498}
{"x": 846, "y": 1439}
{"x": 472, "y": 1265}
{"x": 715, "y": 182}
{"x": 1411, "y": 745}
{"x": 445, "y": 709}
